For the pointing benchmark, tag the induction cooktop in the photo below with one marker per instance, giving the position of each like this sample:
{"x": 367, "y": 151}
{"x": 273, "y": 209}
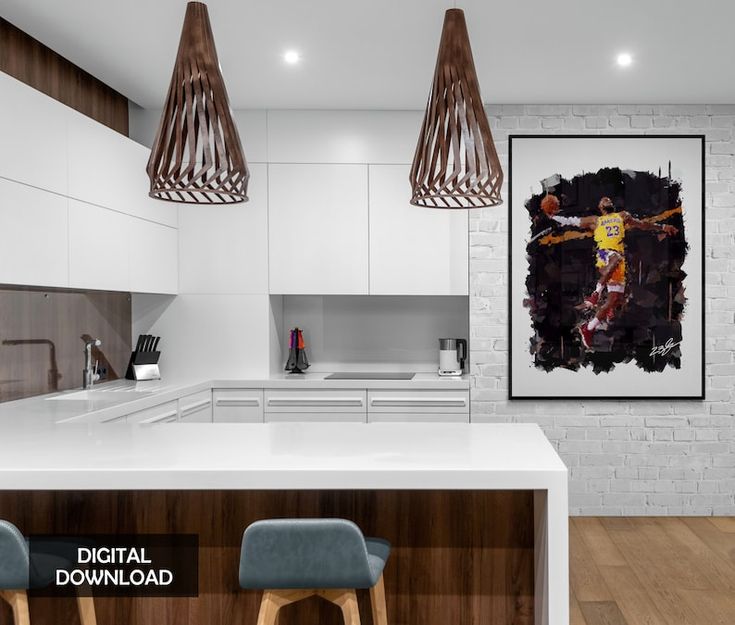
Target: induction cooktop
{"x": 370, "y": 375}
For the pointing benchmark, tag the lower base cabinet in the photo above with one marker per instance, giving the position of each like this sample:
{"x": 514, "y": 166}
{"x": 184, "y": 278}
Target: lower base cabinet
{"x": 314, "y": 417}
{"x": 196, "y": 408}
{"x": 346, "y": 405}
{"x": 451, "y": 406}
{"x": 418, "y": 417}
{"x": 253, "y": 405}
{"x": 238, "y": 405}
{"x": 163, "y": 413}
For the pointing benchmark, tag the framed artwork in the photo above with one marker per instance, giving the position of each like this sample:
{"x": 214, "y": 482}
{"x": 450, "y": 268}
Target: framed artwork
{"x": 606, "y": 267}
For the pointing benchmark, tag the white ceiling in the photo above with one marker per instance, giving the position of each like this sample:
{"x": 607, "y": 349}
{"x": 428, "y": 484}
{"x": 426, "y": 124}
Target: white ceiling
{"x": 381, "y": 53}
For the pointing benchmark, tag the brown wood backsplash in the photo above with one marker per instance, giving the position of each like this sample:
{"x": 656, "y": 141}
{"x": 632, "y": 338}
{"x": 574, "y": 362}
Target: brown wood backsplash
{"x": 42, "y": 335}
{"x": 31, "y": 62}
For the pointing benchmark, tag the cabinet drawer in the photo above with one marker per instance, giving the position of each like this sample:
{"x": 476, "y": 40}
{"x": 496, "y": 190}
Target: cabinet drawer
{"x": 238, "y": 405}
{"x": 419, "y": 417}
{"x": 308, "y": 401}
{"x": 119, "y": 419}
{"x": 163, "y": 413}
{"x": 196, "y": 408}
{"x": 420, "y": 401}
{"x": 313, "y": 417}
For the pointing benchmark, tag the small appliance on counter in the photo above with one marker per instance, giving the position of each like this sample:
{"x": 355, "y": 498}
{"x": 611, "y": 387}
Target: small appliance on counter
{"x": 297, "y": 361}
{"x": 143, "y": 363}
{"x": 452, "y": 354}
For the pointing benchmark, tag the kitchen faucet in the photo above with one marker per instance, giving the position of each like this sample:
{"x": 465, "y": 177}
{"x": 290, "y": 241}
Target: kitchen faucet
{"x": 89, "y": 377}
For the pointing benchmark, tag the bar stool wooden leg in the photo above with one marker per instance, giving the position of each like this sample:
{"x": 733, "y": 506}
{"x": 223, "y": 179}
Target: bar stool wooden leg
{"x": 87, "y": 615}
{"x": 377, "y": 602}
{"x": 347, "y": 601}
{"x": 274, "y": 600}
{"x": 18, "y": 600}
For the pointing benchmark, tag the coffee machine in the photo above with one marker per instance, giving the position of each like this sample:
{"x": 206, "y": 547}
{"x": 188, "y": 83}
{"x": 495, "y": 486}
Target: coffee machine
{"x": 452, "y": 356}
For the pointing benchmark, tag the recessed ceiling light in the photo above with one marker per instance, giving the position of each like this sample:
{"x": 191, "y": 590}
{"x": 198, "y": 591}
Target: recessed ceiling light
{"x": 291, "y": 57}
{"x": 625, "y": 59}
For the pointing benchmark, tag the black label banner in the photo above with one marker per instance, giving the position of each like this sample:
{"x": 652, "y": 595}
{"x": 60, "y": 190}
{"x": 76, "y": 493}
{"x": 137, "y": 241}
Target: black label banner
{"x": 125, "y": 565}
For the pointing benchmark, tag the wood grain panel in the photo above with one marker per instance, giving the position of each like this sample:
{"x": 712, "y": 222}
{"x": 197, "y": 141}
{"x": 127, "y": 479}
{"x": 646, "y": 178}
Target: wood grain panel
{"x": 31, "y": 62}
{"x": 42, "y": 335}
{"x": 458, "y": 557}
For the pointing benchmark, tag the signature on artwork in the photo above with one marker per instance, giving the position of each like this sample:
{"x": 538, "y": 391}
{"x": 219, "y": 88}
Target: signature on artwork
{"x": 662, "y": 350}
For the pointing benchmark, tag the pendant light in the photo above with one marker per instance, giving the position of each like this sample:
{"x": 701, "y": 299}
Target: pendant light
{"x": 197, "y": 156}
{"x": 455, "y": 165}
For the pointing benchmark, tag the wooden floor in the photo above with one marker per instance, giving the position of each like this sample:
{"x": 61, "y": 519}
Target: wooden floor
{"x": 652, "y": 571}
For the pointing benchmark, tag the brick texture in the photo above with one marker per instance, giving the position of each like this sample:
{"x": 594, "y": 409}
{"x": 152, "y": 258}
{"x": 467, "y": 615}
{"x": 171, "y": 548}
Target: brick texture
{"x": 632, "y": 457}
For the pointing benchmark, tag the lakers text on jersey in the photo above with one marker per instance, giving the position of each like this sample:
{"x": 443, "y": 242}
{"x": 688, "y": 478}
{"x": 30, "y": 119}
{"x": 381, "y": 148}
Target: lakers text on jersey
{"x": 610, "y": 232}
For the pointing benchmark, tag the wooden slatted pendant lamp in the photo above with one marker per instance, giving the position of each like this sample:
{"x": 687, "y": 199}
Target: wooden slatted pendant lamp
{"x": 456, "y": 164}
{"x": 197, "y": 156}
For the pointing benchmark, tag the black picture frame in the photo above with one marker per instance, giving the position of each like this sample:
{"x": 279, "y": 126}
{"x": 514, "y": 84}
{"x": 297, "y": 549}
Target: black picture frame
{"x": 701, "y": 302}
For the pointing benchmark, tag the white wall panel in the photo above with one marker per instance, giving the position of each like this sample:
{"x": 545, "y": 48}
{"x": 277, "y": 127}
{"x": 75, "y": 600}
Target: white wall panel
{"x": 206, "y": 336}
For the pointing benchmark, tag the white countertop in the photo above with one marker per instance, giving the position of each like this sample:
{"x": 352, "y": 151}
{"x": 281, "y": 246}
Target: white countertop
{"x": 278, "y": 456}
{"x": 121, "y": 397}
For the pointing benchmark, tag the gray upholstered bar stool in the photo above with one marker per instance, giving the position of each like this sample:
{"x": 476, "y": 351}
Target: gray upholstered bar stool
{"x": 292, "y": 559}
{"x": 16, "y": 578}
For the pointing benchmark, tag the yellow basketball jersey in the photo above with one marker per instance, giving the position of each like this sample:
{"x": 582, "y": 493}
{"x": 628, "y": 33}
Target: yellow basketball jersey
{"x": 610, "y": 232}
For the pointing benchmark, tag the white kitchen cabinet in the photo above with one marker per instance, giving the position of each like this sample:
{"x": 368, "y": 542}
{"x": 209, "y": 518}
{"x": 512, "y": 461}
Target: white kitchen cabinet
{"x": 224, "y": 248}
{"x": 414, "y": 250}
{"x": 98, "y": 248}
{"x": 315, "y": 405}
{"x": 417, "y": 417}
{"x": 237, "y": 405}
{"x": 109, "y": 420}
{"x": 33, "y": 128}
{"x": 318, "y": 229}
{"x": 108, "y": 169}
{"x": 167, "y": 412}
{"x": 33, "y": 243}
{"x": 196, "y": 408}
{"x": 338, "y": 136}
{"x": 313, "y": 417}
{"x": 153, "y": 253}
{"x": 452, "y": 405}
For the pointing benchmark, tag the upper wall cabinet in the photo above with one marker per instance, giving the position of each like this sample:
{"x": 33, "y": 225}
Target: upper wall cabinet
{"x": 343, "y": 136}
{"x": 224, "y": 248}
{"x": 413, "y": 250}
{"x": 74, "y": 202}
{"x": 31, "y": 250}
{"x": 98, "y": 247}
{"x": 33, "y": 129}
{"x": 318, "y": 229}
{"x": 108, "y": 169}
{"x": 153, "y": 253}
{"x": 114, "y": 251}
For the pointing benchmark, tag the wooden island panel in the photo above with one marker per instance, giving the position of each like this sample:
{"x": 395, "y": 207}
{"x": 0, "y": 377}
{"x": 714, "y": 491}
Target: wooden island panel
{"x": 459, "y": 557}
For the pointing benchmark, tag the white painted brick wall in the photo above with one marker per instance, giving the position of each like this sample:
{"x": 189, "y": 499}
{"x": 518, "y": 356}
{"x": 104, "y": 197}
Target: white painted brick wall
{"x": 629, "y": 457}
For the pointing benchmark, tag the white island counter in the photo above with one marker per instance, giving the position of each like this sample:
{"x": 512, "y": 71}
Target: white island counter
{"x": 308, "y": 456}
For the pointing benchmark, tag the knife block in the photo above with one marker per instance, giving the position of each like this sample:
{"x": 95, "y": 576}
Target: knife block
{"x": 143, "y": 366}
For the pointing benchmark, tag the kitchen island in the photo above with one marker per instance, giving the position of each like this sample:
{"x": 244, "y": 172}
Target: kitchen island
{"x": 477, "y": 513}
